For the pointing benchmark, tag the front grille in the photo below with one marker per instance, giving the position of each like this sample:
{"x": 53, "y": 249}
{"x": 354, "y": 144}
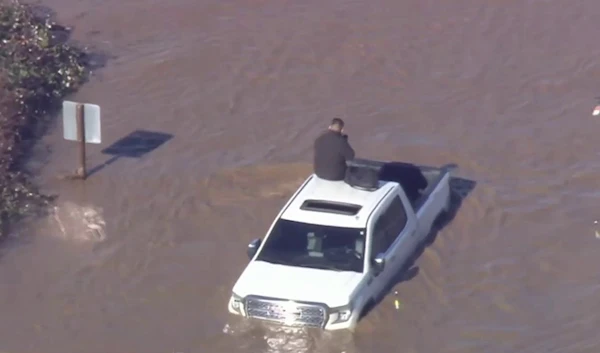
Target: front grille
{"x": 285, "y": 312}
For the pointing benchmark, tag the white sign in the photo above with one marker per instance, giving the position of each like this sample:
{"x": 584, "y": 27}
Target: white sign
{"x": 91, "y": 120}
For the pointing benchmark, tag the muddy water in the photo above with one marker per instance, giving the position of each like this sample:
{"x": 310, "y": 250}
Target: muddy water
{"x": 141, "y": 258}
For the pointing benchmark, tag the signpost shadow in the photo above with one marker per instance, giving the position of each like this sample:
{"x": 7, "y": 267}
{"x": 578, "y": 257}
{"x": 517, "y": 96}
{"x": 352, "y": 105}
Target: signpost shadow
{"x": 135, "y": 145}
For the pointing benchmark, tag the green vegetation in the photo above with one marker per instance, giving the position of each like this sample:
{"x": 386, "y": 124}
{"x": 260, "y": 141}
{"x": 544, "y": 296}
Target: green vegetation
{"x": 37, "y": 69}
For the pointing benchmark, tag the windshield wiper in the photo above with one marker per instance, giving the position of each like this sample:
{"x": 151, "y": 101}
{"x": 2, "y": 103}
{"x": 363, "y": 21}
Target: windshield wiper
{"x": 318, "y": 266}
{"x": 272, "y": 259}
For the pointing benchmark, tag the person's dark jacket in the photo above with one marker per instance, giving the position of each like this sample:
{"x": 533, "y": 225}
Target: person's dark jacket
{"x": 331, "y": 152}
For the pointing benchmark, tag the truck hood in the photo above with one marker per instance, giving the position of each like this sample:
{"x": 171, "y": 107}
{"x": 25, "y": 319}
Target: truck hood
{"x": 296, "y": 283}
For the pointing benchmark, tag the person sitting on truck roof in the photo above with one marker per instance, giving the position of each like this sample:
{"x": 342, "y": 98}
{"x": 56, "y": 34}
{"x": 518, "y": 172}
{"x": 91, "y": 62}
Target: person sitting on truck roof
{"x": 331, "y": 151}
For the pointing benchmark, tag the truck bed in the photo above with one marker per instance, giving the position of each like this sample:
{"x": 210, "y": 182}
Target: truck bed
{"x": 417, "y": 181}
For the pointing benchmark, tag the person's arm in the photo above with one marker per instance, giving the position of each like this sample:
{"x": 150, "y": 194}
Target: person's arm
{"x": 347, "y": 150}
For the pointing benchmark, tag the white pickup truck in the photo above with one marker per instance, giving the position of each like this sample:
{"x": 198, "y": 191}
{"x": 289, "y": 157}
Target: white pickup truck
{"x": 336, "y": 245}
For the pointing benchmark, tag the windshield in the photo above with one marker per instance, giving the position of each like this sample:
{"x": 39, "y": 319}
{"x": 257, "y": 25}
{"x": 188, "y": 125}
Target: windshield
{"x": 315, "y": 246}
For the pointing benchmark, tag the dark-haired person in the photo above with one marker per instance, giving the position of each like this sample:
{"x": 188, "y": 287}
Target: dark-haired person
{"x": 331, "y": 151}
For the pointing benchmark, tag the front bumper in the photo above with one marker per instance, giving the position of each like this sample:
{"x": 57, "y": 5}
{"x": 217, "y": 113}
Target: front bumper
{"x": 293, "y": 313}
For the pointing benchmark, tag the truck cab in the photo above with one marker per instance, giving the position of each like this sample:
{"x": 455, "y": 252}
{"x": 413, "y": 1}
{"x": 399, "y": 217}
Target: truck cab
{"x": 336, "y": 245}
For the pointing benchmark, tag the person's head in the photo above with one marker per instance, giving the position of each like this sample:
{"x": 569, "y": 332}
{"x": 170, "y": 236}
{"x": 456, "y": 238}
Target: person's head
{"x": 337, "y": 125}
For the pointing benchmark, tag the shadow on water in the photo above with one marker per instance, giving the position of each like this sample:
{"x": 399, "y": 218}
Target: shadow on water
{"x": 459, "y": 190}
{"x": 135, "y": 145}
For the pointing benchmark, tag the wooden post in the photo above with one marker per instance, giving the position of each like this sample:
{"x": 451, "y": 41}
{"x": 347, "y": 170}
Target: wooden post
{"x": 81, "y": 172}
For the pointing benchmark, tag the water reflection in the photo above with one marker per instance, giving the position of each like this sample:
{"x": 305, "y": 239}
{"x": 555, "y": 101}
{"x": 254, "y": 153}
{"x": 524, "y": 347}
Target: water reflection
{"x": 282, "y": 339}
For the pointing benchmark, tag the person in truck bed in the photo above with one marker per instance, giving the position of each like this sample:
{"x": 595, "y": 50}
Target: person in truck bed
{"x": 331, "y": 151}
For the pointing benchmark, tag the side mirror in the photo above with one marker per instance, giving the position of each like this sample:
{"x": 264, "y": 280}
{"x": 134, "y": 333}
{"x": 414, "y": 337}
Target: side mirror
{"x": 378, "y": 264}
{"x": 253, "y": 247}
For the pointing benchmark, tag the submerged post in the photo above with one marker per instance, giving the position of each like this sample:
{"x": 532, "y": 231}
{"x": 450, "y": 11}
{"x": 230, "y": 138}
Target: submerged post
{"x": 81, "y": 172}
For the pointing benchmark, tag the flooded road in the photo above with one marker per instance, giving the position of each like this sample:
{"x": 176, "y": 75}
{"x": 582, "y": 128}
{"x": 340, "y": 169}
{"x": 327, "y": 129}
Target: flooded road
{"x": 142, "y": 256}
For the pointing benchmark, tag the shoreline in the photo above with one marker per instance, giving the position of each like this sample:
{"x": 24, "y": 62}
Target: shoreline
{"x": 39, "y": 67}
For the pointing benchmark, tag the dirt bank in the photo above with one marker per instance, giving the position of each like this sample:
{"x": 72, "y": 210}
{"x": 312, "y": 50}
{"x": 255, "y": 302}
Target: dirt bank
{"x": 38, "y": 68}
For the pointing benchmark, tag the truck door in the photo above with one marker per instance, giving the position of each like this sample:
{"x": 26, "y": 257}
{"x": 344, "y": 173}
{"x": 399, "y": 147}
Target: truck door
{"x": 395, "y": 236}
{"x": 402, "y": 235}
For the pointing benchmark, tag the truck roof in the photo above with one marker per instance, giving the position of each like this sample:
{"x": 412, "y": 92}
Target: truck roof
{"x": 335, "y": 203}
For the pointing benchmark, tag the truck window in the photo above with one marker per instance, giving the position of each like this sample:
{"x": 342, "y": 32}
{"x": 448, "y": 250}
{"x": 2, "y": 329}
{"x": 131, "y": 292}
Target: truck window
{"x": 398, "y": 220}
{"x": 378, "y": 242}
{"x": 389, "y": 225}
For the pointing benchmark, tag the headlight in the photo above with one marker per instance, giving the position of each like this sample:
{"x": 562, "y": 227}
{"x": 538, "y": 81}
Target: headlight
{"x": 341, "y": 314}
{"x": 235, "y": 303}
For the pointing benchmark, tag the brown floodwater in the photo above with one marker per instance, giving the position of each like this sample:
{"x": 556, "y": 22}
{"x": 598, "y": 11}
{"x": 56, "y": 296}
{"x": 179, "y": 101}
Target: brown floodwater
{"x": 142, "y": 256}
